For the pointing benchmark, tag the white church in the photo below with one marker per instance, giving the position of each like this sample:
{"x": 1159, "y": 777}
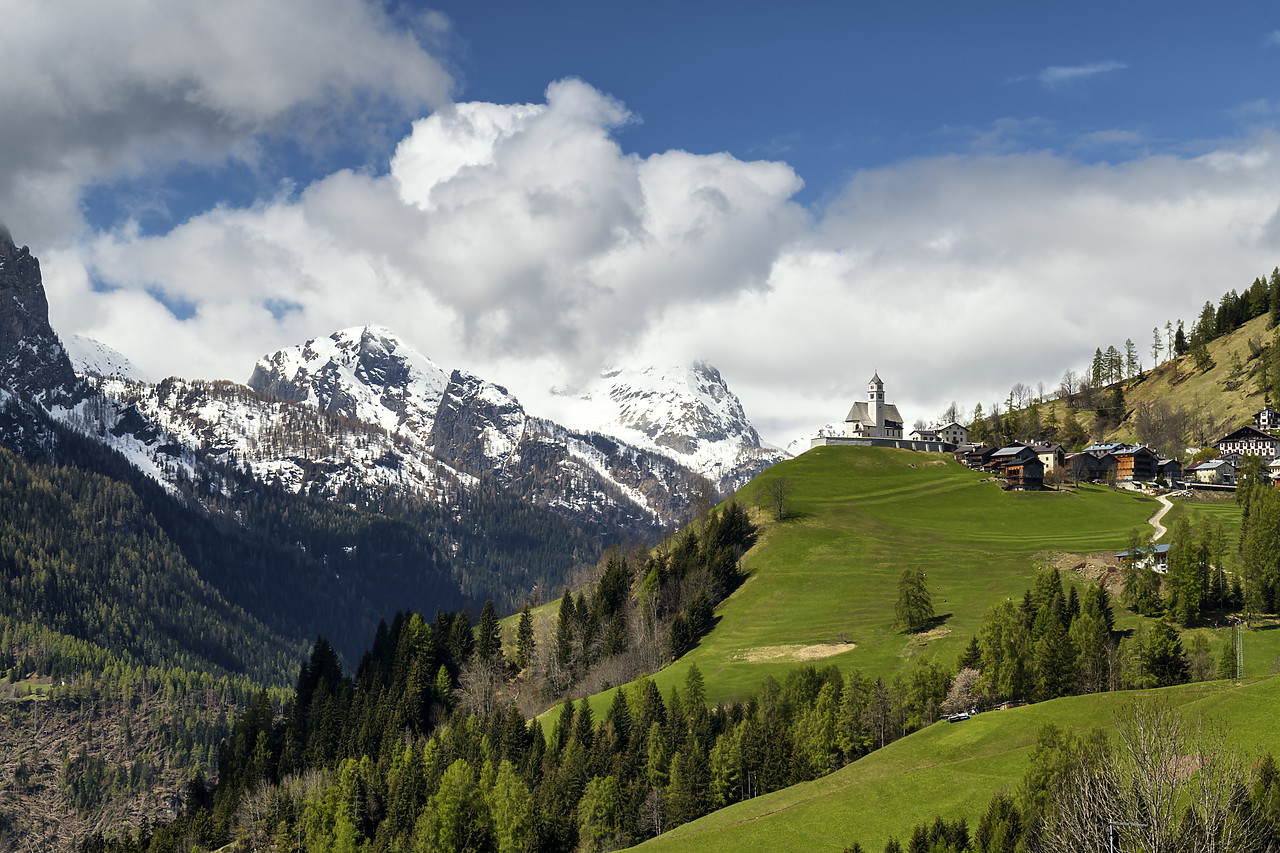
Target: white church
{"x": 876, "y": 423}
{"x": 873, "y": 419}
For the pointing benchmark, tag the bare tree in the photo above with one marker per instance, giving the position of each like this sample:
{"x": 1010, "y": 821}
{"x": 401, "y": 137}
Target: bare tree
{"x": 1069, "y": 385}
{"x": 1165, "y": 784}
{"x": 480, "y": 686}
{"x": 952, "y": 414}
{"x": 650, "y": 820}
{"x": 1020, "y": 394}
{"x": 1161, "y": 427}
{"x": 775, "y": 495}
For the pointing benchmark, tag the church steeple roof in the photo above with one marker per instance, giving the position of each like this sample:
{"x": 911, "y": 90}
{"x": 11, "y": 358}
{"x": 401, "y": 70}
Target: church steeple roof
{"x": 876, "y": 380}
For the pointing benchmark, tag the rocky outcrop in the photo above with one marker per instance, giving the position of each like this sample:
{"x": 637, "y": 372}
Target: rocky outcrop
{"x": 33, "y": 364}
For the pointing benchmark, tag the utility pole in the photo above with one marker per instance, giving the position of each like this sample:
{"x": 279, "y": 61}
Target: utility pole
{"x": 1112, "y": 827}
{"x": 1239, "y": 649}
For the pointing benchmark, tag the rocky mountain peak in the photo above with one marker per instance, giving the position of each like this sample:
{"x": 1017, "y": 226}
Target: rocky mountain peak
{"x": 479, "y": 424}
{"x": 33, "y": 363}
{"x": 686, "y": 411}
{"x": 365, "y": 372}
{"x": 680, "y": 406}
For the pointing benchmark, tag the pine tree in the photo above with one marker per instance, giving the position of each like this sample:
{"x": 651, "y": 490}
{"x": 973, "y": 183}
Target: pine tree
{"x": 564, "y": 631}
{"x": 1273, "y": 293}
{"x": 914, "y": 608}
{"x": 1132, "y": 366}
{"x": 1163, "y": 659}
{"x": 488, "y": 639}
{"x": 525, "y": 646}
{"x": 1113, "y": 364}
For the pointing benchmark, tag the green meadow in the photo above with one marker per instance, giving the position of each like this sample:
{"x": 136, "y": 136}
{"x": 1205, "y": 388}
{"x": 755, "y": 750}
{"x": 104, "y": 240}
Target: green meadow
{"x": 821, "y": 587}
{"x": 951, "y": 769}
{"x": 822, "y": 584}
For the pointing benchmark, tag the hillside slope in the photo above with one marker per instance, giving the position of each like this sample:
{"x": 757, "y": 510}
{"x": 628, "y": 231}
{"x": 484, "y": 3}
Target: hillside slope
{"x": 1177, "y": 403}
{"x": 949, "y": 770}
{"x": 823, "y": 583}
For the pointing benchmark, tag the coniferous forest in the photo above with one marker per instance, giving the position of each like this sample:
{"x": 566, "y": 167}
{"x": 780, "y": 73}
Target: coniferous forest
{"x": 424, "y": 749}
{"x": 230, "y": 575}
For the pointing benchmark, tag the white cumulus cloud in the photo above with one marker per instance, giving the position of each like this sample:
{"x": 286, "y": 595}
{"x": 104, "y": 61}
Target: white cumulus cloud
{"x": 500, "y": 232}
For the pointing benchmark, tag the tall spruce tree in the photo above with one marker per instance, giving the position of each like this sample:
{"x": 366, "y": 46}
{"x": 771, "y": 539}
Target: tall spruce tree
{"x": 914, "y": 608}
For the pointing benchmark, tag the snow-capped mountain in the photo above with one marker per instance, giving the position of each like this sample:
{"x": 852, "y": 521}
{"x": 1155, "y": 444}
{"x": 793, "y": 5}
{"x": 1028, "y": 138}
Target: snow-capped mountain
{"x": 398, "y": 529}
{"x": 92, "y": 358}
{"x": 294, "y": 445}
{"x": 480, "y": 427}
{"x": 801, "y": 443}
{"x": 363, "y": 373}
{"x": 361, "y": 410}
{"x": 684, "y": 411}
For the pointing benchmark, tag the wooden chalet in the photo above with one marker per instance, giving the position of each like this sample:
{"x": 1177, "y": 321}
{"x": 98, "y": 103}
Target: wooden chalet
{"x": 1008, "y": 455}
{"x": 1088, "y": 466}
{"x": 1136, "y": 463}
{"x": 974, "y": 456}
{"x": 1170, "y": 469}
{"x": 1025, "y": 474}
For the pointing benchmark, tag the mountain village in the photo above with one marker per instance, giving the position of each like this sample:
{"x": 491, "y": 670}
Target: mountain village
{"x": 1031, "y": 466}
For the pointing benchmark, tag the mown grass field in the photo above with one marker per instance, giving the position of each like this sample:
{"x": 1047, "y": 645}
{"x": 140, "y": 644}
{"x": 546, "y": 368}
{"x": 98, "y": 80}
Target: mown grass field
{"x": 822, "y": 584}
{"x": 950, "y": 770}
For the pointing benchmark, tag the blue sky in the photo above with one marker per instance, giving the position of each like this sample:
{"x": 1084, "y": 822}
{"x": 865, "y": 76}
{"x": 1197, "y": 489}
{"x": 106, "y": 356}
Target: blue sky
{"x": 830, "y": 88}
{"x": 800, "y": 194}
{"x": 836, "y": 87}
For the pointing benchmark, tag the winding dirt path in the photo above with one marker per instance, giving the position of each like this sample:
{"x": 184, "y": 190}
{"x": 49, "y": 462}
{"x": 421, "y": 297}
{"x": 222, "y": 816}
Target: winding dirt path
{"x": 1154, "y": 521}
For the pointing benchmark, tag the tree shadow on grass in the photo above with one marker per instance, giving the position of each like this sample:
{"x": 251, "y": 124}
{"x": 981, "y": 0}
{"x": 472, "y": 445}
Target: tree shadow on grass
{"x": 937, "y": 621}
{"x": 795, "y": 516}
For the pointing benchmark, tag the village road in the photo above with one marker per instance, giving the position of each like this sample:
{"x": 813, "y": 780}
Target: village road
{"x": 1155, "y": 519}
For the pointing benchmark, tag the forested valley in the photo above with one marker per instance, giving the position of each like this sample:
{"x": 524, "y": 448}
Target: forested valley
{"x": 426, "y": 747}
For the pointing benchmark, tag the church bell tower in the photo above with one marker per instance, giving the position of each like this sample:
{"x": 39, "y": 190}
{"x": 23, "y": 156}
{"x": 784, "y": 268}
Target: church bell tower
{"x": 875, "y": 405}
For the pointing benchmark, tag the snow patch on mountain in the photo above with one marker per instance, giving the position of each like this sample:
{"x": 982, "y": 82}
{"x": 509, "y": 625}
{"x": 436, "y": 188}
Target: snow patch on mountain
{"x": 92, "y": 357}
{"x": 366, "y": 373}
{"x": 684, "y": 411}
{"x": 801, "y": 443}
{"x": 298, "y": 446}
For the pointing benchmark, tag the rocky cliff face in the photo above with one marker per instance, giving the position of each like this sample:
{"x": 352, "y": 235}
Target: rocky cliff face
{"x": 479, "y": 425}
{"x": 33, "y": 364}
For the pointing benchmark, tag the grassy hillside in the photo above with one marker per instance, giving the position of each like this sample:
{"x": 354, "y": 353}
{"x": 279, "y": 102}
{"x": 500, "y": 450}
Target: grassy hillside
{"x": 1217, "y": 400}
{"x": 948, "y": 769}
{"x": 822, "y": 584}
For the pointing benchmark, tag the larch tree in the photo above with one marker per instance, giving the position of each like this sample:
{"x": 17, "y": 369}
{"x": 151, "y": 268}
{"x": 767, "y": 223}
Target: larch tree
{"x": 914, "y": 608}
